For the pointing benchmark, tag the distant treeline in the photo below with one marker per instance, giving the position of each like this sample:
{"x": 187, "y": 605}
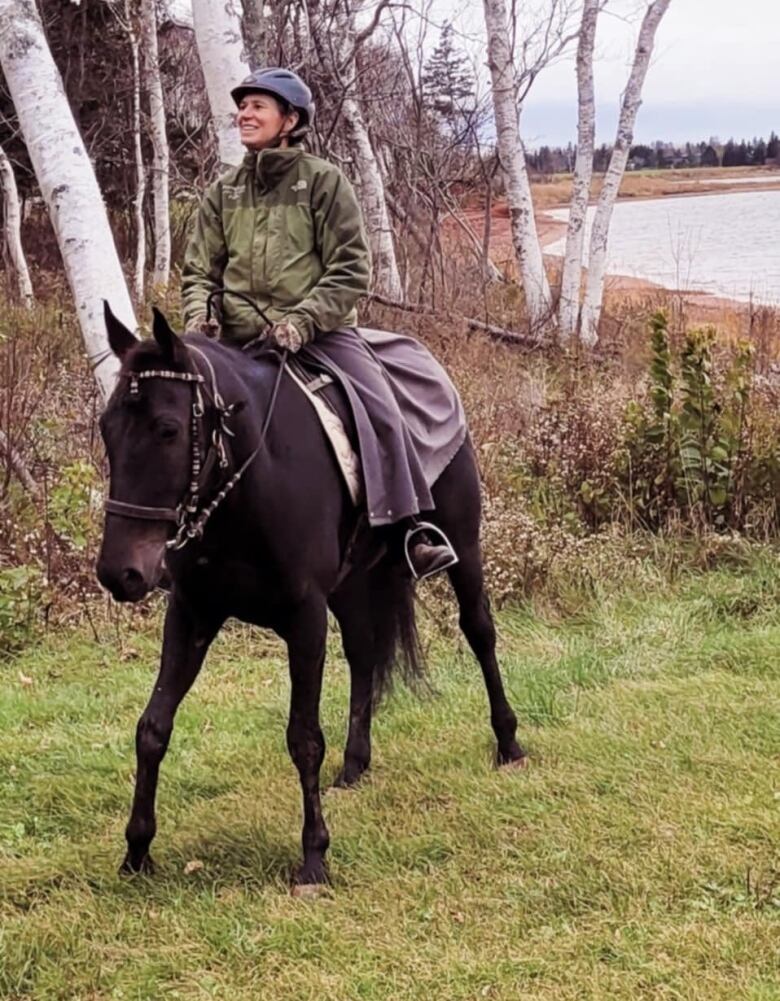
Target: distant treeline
{"x": 665, "y": 155}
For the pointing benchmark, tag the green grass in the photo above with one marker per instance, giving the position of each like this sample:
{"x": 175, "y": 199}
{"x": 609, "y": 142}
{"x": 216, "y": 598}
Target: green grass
{"x": 636, "y": 858}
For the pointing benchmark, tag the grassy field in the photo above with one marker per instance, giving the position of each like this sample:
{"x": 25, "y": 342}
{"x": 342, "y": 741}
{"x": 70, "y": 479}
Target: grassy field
{"x": 636, "y": 858}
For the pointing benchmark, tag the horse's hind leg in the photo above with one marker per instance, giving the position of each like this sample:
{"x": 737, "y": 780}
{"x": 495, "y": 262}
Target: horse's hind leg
{"x": 457, "y": 497}
{"x": 476, "y": 622}
{"x": 185, "y": 642}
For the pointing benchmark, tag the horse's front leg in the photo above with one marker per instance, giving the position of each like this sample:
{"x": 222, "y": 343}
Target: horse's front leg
{"x": 305, "y": 634}
{"x": 186, "y": 639}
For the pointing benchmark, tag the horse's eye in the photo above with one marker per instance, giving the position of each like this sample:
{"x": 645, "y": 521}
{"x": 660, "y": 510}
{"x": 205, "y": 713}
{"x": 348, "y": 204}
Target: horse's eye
{"x": 166, "y": 431}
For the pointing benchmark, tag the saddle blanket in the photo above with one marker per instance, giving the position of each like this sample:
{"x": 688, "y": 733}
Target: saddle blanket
{"x": 311, "y": 385}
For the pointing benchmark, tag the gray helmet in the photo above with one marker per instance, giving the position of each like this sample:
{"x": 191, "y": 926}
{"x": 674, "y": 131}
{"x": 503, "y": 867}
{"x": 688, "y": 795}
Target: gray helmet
{"x": 285, "y": 85}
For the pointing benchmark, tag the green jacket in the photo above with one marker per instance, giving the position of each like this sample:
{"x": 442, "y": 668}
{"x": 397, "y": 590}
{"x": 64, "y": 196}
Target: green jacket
{"x": 284, "y": 228}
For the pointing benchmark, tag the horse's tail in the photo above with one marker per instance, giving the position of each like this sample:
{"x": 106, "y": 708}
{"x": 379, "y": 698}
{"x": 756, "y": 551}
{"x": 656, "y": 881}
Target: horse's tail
{"x": 397, "y": 642}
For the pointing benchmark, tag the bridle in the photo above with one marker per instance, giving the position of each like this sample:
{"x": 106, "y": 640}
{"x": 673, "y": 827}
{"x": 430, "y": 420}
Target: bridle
{"x": 191, "y": 516}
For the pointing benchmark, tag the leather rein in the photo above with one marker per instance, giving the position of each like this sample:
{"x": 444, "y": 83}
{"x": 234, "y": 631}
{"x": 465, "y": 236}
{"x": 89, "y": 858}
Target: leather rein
{"x": 191, "y": 516}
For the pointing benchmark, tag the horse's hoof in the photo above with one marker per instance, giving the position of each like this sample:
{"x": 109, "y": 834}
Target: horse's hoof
{"x": 516, "y": 758}
{"x": 515, "y": 764}
{"x": 347, "y": 780}
{"x": 309, "y": 891}
{"x": 131, "y": 868}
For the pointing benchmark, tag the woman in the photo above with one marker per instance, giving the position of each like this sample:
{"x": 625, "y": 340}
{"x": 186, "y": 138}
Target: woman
{"x": 285, "y": 229}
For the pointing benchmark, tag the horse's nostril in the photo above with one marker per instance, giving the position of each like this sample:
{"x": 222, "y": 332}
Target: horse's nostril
{"x": 132, "y": 577}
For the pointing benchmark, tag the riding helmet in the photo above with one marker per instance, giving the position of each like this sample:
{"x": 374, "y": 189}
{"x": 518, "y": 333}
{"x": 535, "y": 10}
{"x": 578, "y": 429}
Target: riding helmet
{"x": 285, "y": 85}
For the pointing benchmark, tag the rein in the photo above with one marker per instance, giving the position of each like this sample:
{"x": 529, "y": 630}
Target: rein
{"x": 189, "y": 516}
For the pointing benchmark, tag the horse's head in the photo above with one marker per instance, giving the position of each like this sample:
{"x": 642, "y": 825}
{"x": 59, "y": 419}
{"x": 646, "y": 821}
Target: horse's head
{"x": 146, "y": 427}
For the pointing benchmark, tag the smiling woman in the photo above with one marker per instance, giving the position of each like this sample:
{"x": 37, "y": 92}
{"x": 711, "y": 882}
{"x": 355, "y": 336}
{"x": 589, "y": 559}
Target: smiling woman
{"x": 275, "y": 109}
{"x": 262, "y": 121}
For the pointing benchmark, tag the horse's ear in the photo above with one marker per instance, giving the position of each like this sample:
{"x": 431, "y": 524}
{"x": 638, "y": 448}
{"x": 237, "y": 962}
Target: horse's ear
{"x": 169, "y": 342}
{"x": 120, "y": 339}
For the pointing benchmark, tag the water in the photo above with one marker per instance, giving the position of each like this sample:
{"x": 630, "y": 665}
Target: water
{"x": 727, "y": 244}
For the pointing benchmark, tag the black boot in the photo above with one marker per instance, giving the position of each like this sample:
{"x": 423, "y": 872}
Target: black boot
{"x": 425, "y": 556}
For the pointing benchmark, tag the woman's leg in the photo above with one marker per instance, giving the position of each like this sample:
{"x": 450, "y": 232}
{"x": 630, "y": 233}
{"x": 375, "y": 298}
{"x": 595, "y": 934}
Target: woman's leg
{"x": 395, "y": 486}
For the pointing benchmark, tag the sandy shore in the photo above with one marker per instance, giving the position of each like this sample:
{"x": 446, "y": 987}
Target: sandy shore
{"x": 636, "y": 187}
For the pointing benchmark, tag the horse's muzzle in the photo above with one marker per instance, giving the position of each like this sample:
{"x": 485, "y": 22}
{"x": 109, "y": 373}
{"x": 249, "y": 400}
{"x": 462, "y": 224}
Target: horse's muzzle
{"x": 126, "y": 585}
{"x": 131, "y": 572}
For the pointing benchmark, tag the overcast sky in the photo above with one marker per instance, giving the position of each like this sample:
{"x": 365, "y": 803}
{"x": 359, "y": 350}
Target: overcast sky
{"x": 715, "y": 70}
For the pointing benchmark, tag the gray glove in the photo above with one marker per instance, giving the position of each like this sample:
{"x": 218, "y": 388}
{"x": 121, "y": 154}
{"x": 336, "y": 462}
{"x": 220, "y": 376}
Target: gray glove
{"x": 208, "y": 328}
{"x": 287, "y": 336}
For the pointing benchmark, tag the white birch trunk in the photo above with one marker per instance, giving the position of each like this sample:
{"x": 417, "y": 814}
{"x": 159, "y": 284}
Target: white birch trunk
{"x": 12, "y": 216}
{"x": 161, "y": 156}
{"x": 571, "y": 280}
{"x": 67, "y": 182}
{"x": 140, "y": 173}
{"x": 217, "y": 26}
{"x": 632, "y": 99}
{"x": 385, "y": 278}
{"x": 525, "y": 238}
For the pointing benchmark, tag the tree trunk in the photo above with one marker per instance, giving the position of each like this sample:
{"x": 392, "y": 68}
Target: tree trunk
{"x": 632, "y": 99}
{"x": 138, "y": 155}
{"x": 386, "y": 278}
{"x": 512, "y": 155}
{"x": 221, "y": 50}
{"x": 571, "y": 280}
{"x": 256, "y": 32}
{"x": 161, "y": 156}
{"x": 17, "y": 464}
{"x": 67, "y": 182}
{"x": 12, "y": 215}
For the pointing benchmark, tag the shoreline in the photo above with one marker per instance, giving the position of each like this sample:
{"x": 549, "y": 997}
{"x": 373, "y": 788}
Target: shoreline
{"x": 551, "y": 230}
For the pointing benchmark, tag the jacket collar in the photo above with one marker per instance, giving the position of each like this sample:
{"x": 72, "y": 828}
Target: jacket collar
{"x": 270, "y": 165}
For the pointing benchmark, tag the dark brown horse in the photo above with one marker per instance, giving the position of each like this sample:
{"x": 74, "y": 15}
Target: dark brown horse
{"x": 220, "y": 468}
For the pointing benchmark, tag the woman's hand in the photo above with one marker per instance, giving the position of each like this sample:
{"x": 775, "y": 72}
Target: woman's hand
{"x": 208, "y": 328}
{"x": 286, "y": 336}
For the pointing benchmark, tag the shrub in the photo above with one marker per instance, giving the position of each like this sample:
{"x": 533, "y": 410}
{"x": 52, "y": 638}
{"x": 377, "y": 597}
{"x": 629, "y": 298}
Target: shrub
{"x": 21, "y": 603}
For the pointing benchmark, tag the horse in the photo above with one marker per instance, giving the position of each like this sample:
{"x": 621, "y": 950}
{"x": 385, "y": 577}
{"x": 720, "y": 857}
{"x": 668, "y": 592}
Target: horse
{"x": 221, "y": 478}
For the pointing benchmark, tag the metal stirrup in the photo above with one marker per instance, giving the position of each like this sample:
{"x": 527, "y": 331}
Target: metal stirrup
{"x": 427, "y": 527}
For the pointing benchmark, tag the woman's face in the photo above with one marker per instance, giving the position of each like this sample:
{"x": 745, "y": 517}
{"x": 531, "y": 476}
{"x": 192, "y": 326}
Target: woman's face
{"x": 260, "y": 120}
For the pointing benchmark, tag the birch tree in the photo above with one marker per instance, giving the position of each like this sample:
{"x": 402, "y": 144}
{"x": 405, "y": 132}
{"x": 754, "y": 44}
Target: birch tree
{"x": 338, "y": 23}
{"x": 632, "y": 99}
{"x": 221, "y": 51}
{"x": 525, "y": 239}
{"x": 12, "y": 236}
{"x": 67, "y": 181}
{"x": 369, "y": 181}
{"x": 160, "y": 150}
{"x": 571, "y": 280}
{"x": 139, "y": 272}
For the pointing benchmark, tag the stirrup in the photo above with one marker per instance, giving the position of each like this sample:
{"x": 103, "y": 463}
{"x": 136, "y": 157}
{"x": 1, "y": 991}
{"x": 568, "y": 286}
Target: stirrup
{"x": 428, "y": 527}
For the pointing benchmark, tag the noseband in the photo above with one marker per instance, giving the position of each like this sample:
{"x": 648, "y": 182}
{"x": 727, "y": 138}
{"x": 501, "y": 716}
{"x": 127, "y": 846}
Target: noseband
{"x": 189, "y": 516}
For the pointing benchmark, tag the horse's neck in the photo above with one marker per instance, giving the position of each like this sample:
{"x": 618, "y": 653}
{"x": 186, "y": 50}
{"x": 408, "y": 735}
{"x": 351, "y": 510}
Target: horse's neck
{"x": 253, "y": 389}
